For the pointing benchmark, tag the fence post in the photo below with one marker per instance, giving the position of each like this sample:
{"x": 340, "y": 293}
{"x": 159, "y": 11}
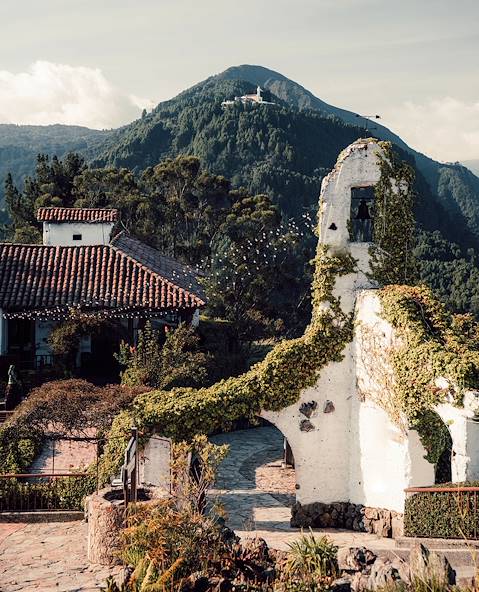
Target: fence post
{"x": 134, "y": 435}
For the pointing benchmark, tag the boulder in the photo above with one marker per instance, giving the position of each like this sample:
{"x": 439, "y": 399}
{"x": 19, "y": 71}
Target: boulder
{"x": 428, "y": 566}
{"x": 355, "y": 559}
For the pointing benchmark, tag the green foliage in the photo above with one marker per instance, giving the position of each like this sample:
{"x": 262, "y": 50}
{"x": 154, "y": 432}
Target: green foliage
{"x": 194, "y": 216}
{"x": 64, "y": 493}
{"x": 312, "y": 563}
{"x": 259, "y": 272}
{"x": 167, "y": 540}
{"x": 433, "y": 344}
{"x": 64, "y": 339}
{"x": 58, "y": 408}
{"x": 20, "y": 145}
{"x": 450, "y": 271}
{"x": 448, "y": 515}
{"x": 271, "y": 384}
{"x": 392, "y": 254}
{"x": 175, "y": 363}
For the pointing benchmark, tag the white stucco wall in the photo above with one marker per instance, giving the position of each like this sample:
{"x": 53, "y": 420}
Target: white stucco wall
{"x": 386, "y": 457}
{"x": 61, "y": 234}
{"x": 354, "y": 453}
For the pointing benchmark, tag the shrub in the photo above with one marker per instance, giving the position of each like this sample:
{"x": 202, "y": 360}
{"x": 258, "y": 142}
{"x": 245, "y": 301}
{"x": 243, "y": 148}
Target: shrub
{"x": 60, "y": 407}
{"x": 179, "y": 362}
{"x": 311, "y": 564}
{"x": 448, "y": 515}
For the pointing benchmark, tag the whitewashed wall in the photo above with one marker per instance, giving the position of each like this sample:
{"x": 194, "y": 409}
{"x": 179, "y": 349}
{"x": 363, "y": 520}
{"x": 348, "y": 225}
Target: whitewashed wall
{"x": 355, "y": 452}
{"x": 61, "y": 234}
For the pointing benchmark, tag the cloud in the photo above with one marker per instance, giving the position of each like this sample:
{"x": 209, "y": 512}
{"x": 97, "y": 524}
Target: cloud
{"x": 446, "y": 128}
{"x": 57, "y": 93}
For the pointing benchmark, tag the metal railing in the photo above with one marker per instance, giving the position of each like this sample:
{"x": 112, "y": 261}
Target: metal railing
{"x": 465, "y": 506}
{"x": 30, "y": 492}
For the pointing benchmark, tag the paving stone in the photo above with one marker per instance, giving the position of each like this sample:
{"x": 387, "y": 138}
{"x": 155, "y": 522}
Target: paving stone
{"x": 49, "y": 557}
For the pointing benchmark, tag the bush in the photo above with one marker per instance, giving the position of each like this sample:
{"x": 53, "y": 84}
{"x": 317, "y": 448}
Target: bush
{"x": 60, "y": 407}
{"x": 448, "y": 515}
{"x": 311, "y": 565}
{"x": 178, "y": 362}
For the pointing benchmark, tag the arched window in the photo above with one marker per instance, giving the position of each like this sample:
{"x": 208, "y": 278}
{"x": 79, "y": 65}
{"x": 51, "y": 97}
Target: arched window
{"x": 362, "y": 214}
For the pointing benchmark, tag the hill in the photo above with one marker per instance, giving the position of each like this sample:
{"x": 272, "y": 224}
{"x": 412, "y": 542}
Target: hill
{"x": 284, "y": 150}
{"x": 20, "y": 144}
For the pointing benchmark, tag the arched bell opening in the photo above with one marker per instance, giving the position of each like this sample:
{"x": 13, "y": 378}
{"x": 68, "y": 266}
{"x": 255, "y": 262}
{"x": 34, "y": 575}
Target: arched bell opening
{"x": 362, "y": 214}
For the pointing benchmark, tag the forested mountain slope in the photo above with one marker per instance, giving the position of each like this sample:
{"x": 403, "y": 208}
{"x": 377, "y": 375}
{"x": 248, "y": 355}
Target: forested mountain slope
{"x": 20, "y": 144}
{"x": 284, "y": 151}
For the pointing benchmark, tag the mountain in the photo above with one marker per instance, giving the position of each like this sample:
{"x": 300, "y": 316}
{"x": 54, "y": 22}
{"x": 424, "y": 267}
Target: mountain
{"x": 20, "y": 144}
{"x": 283, "y": 150}
{"x": 472, "y": 165}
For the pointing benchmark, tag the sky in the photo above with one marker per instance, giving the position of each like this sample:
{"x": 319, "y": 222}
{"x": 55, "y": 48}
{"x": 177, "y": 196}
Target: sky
{"x": 98, "y": 63}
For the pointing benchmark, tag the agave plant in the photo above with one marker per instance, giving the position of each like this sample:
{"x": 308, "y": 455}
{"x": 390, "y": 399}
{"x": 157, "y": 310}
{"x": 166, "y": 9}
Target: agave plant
{"x": 312, "y": 560}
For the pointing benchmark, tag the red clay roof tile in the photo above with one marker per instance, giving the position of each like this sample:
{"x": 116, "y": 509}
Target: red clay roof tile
{"x": 92, "y": 215}
{"x": 125, "y": 274}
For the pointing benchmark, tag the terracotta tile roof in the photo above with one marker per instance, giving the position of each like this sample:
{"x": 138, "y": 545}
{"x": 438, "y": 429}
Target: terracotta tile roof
{"x": 77, "y": 215}
{"x": 37, "y": 277}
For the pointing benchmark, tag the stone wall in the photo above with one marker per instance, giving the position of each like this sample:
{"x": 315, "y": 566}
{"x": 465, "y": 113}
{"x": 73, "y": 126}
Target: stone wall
{"x": 384, "y": 523}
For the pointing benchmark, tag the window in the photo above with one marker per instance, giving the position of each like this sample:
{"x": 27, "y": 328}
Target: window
{"x": 77, "y": 237}
{"x": 362, "y": 214}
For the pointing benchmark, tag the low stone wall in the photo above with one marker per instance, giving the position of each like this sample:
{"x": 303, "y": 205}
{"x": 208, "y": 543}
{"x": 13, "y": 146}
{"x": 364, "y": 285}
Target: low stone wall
{"x": 105, "y": 516}
{"x": 384, "y": 523}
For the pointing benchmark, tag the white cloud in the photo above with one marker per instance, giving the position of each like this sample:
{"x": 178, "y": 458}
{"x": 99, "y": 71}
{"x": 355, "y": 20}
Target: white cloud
{"x": 58, "y": 93}
{"x": 446, "y": 129}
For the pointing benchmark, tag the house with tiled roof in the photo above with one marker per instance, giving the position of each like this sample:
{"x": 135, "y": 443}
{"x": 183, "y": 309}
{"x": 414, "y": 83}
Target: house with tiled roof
{"x": 84, "y": 263}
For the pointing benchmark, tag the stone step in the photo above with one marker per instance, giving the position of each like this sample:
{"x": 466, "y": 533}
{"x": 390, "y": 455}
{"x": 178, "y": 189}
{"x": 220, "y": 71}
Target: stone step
{"x": 432, "y": 543}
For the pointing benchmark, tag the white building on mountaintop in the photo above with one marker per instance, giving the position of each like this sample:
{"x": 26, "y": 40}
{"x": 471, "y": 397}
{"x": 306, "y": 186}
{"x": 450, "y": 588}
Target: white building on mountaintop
{"x": 249, "y": 99}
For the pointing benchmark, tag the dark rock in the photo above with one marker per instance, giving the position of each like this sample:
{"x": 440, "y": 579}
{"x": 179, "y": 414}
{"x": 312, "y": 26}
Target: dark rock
{"x": 308, "y": 408}
{"x": 384, "y": 574}
{"x": 355, "y": 558}
{"x": 428, "y": 566}
{"x": 306, "y": 426}
{"x": 328, "y": 407}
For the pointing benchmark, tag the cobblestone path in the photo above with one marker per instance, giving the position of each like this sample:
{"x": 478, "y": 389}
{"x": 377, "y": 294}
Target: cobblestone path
{"x": 63, "y": 456}
{"x": 48, "y": 557}
{"x": 257, "y": 493}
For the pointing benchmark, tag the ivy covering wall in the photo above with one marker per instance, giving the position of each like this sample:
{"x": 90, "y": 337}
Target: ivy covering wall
{"x": 273, "y": 384}
{"x": 433, "y": 342}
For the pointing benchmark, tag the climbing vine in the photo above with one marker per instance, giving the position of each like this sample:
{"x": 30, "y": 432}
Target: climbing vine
{"x": 272, "y": 384}
{"x": 392, "y": 260}
{"x": 431, "y": 344}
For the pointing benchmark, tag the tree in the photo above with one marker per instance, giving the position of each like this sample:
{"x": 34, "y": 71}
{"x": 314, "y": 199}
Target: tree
{"x": 178, "y": 362}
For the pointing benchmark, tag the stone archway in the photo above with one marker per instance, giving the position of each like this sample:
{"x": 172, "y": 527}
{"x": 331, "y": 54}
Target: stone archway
{"x": 255, "y": 488}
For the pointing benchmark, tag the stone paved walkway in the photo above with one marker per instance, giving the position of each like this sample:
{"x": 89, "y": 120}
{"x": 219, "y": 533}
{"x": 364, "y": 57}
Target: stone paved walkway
{"x": 257, "y": 493}
{"x": 48, "y": 557}
{"x": 63, "y": 456}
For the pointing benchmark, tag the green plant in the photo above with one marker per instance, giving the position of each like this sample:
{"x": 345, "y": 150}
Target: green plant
{"x": 392, "y": 251}
{"x": 448, "y": 515}
{"x": 57, "y": 408}
{"x": 312, "y": 563}
{"x": 432, "y": 344}
{"x": 273, "y": 383}
{"x": 64, "y": 338}
{"x": 177, "y": 362}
